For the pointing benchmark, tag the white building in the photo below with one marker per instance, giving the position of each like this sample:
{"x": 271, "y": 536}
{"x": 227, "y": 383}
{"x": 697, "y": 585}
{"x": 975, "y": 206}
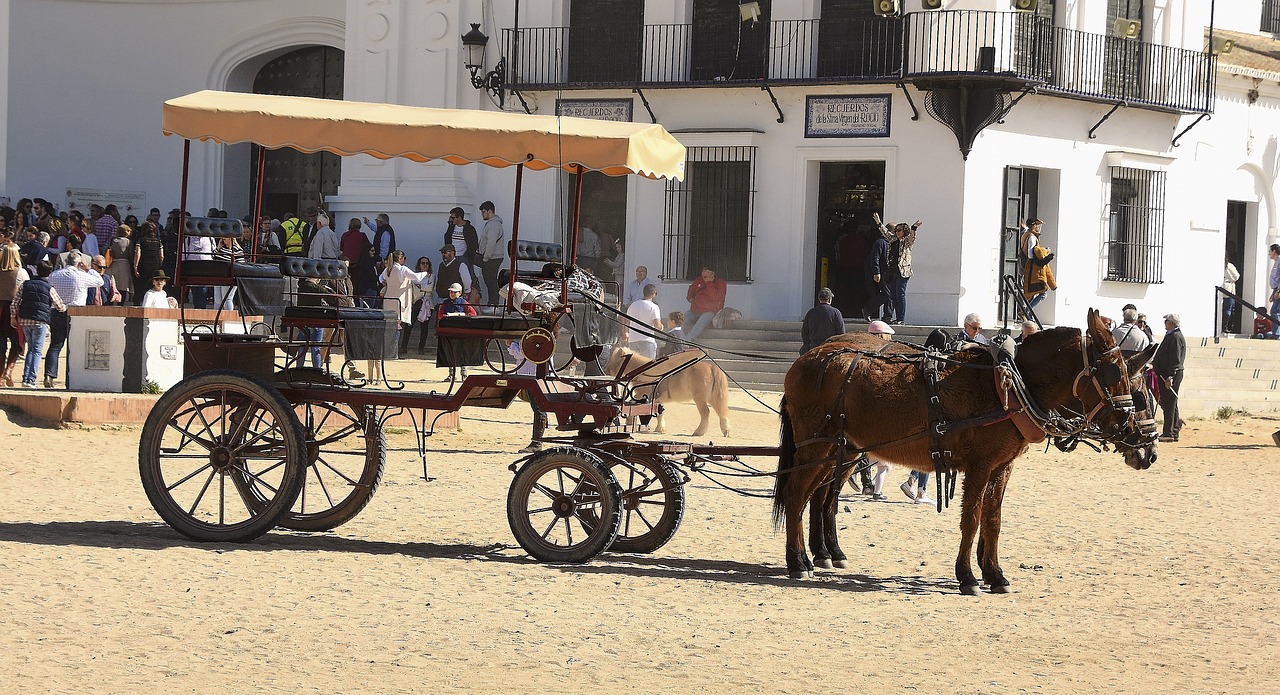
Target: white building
{"x": 800, "y": 120}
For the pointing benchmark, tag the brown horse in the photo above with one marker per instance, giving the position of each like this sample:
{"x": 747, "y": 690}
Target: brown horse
{"x": 1058, "y": 366}
{"x": 704, "y": 384}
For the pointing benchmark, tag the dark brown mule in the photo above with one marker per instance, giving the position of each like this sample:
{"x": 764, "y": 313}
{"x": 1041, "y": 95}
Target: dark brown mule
{"x": 884, "y": 403}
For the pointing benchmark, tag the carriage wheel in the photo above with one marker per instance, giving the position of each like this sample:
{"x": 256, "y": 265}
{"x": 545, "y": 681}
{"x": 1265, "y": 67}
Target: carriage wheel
{"x": 564, "y": 506}
{"x": 346, "y": 456}
{"x": 215, "y": 428}
{"x": 652, "y": 503}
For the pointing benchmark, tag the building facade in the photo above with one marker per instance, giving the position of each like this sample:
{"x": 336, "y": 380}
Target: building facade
{"x": 802, "y": 118}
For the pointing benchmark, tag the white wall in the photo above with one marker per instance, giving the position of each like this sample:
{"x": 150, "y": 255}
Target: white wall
{"x": 86, "y": 113}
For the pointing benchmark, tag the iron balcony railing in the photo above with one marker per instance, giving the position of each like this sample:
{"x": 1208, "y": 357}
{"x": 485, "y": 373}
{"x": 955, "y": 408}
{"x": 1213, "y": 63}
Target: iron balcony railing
{"x": 916, "y": 47}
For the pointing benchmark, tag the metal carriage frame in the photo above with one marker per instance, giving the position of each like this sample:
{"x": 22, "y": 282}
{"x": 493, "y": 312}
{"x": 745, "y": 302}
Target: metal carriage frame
{"x": 241, "y": 446}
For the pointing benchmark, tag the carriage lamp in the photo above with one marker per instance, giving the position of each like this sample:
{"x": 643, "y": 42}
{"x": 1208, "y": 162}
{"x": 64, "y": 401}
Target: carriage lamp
{"x": 473, "y": 49}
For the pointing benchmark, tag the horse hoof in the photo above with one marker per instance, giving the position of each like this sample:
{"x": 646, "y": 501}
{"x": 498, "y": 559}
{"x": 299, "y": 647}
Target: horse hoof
{"x": 840, "y": 564}
{"x": 822, "y": 564}
{"x": 971, "y": 590}
{"x": 999, "y": 588}
{"x": 799, "y": 574}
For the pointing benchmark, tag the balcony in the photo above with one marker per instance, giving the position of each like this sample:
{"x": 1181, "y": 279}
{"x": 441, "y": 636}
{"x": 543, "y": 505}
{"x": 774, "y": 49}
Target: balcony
{"x": 1017, "y": 49}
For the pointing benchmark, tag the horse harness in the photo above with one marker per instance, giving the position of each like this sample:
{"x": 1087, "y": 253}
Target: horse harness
{"x": 1018, "y": 405}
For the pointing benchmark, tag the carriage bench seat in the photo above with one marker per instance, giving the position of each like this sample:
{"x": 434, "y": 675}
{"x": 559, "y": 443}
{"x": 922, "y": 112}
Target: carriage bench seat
{"x": 318, "y": 268}
{"x": 511, "y": 326}
{"x": 335, "y": 313}
{"x": 216, "y": 227}
{"x": 225, "y": 269}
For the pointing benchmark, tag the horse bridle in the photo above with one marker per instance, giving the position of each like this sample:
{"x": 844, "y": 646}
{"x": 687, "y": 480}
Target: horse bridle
{"x": 1101, "y": 376}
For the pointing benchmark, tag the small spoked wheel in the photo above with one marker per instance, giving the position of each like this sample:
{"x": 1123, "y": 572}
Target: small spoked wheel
{"x": 221, "y": 456}
{"x": 346, "y": 453}
{"x": 652, "y": 503}
{"x": 564, "y": 505}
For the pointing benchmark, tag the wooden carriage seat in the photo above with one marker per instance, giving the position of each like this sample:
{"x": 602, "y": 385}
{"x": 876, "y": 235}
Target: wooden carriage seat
{"x": 220, "y": 272}
{"x": 547, "y": 254}
{"x": 324, "y": 269}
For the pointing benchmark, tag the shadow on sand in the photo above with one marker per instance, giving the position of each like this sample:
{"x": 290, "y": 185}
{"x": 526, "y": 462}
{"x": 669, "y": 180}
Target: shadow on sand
{"x": 158, "y": 536}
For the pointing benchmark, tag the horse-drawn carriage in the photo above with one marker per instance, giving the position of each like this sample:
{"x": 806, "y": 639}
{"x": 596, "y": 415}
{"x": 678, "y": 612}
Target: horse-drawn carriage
{"x": 250, "y": 440}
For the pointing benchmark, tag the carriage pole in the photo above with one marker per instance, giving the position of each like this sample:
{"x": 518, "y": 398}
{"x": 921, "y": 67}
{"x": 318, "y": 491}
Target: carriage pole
{"x": 257, "y": 199}
{"x": 573, "y": 238}
{"x": 182, "y": 225}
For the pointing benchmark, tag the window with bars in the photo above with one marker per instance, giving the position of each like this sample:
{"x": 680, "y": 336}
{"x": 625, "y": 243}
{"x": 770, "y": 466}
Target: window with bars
{"x": 1135, "y": 234}
{"x": 709, "y": 215}
{"x": 1271, "y": 16}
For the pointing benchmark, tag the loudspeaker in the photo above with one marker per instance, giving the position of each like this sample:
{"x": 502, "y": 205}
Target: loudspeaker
{"x": 1025, "y": 5}
{"x": 1221, "y": 46}
{"x": 885, "y": 8}
{"x": 1127, "y": 28}
{"x": 931, "y": 4}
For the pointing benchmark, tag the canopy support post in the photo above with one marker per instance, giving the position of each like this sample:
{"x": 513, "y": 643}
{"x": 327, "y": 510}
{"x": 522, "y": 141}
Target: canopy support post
{"x": 182, "y": 224}
{"x": 257, "y": 200}
{"x": 643, "y": 100}
{"x": 515, "y": 237}
{"x": 578, "y": 171}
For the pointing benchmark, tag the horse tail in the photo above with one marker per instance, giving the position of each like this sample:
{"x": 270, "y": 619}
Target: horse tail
{"x": 786, "y": 461}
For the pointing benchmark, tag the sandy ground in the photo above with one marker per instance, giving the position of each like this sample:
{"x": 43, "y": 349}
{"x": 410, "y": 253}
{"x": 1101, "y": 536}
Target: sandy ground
{"x": 1123, "y": 581}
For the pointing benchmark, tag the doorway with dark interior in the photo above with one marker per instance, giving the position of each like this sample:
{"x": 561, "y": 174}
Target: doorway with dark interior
{"x": 848, "y": 194}
{"x": 1237, "y": 218}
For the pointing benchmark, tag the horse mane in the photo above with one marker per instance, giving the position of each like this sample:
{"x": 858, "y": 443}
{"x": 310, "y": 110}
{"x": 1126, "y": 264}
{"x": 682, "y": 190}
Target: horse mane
{"x": 1048, "y": 360}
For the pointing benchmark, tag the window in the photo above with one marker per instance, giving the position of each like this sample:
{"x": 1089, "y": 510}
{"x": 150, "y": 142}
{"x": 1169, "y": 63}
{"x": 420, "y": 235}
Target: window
{"x": 1135, "y": 234}
{"x": 604, "y": 41}
{"x": 723, "y": 46}
{"x": 709, "y": 215}
{"x": 1271, "y": 16}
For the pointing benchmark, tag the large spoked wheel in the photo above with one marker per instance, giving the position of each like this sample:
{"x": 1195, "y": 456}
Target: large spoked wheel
{"x": 221, "y": 456}
{"x": 345, "y": 459}
{"x": 652, "y": 503}
{"x": 346, "y": 454}
{"x": 564, "y": 506}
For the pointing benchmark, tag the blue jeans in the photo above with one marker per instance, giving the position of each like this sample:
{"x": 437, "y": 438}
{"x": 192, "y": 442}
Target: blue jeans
{"x": 922, "y": 480}
{"x": 1036, "y": 300}
{"x": 700, "y": 323}
{"x": 1275, "y": 318}
{"x": 59, "y": 327}
{"x": 898, "y": 293}
{"x": 313, "y": 336}
{"x": 35, "y": 343}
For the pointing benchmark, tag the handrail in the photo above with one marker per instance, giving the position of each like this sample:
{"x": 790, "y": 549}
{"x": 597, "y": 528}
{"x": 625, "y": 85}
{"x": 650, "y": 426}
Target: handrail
{"x": 1020, "y": 302}
{"x": 1217, "y": 314}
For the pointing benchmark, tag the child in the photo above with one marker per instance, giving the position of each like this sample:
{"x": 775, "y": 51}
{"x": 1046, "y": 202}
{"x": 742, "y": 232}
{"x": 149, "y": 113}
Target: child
{"x": 156, "y": 297}
{"x": 675, "y": 327}
{"x": 32, "y": 308}
{"x": 454, "y": 305}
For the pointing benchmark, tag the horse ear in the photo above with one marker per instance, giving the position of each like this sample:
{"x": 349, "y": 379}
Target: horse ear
{"x": 1140, "y": 360}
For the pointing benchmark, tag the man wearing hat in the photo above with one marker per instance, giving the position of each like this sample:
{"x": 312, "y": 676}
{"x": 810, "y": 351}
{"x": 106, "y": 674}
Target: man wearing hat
{"x": 822, "y": 322}
{"x": 156, "y": 297}
{"x": 456, "y": 352}
{"x": 1168, "y": 363}
{"x": 452, "y": 272}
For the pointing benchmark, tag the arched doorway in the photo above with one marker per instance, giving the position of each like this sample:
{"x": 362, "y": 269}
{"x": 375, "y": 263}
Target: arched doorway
{"x": 294, "y": 181}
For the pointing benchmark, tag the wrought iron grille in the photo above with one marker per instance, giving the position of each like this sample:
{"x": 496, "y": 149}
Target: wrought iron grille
{"x": 1135, "y": 233}
{"x": 1271, "y": 16}
{"x": 710, "y": 215}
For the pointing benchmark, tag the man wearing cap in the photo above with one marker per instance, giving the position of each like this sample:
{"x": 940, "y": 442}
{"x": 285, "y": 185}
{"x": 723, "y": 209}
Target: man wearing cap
{"x": 822, "y": 322}
{"x": 456, "y": 352}
{"x": 452, "y": 271}
{"x": 1168, "y": 364}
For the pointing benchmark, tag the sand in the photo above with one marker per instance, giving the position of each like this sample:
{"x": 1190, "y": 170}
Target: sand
{"x": 1123, "y": 581}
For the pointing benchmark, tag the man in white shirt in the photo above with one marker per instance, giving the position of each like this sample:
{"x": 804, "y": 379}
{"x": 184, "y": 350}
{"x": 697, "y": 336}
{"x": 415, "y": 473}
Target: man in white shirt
{"x": 72, "y": 283}
{"x": 645, "y": 312}
{"x": 635, "y": 289}
{"x": 325, "y": 242}
{"x": 1129, "y": 338}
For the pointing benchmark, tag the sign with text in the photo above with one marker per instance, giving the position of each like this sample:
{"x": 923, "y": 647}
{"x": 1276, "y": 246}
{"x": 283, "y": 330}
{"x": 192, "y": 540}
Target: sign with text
{"x": 129, "y": 202}
{"x": 863, "y": 116}
{"x": 599, "y": 109}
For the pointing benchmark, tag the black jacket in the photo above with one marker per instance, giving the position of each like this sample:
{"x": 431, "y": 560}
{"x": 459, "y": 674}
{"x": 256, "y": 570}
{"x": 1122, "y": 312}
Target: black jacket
{"x": 1171, "y": 356}
{"x": 822, "y": 322}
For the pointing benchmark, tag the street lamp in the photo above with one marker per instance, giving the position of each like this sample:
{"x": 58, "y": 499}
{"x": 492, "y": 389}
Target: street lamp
{"x": 473, "y": 46}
